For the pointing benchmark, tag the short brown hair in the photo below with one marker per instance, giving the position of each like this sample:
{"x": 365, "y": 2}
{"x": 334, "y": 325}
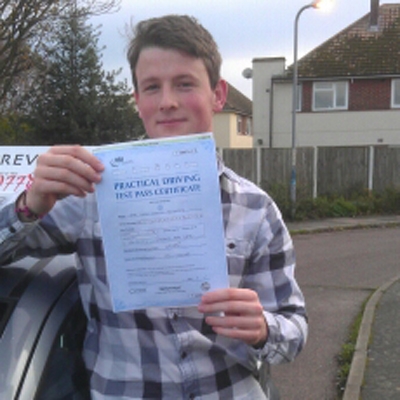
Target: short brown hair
{"x": 177, "y": 32}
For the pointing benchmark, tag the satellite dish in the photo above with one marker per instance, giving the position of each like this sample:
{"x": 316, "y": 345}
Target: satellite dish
{"x": 247, "y": 73}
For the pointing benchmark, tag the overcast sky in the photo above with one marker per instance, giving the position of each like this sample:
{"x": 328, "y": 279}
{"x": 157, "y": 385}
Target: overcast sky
{"x": 243, "y": 30}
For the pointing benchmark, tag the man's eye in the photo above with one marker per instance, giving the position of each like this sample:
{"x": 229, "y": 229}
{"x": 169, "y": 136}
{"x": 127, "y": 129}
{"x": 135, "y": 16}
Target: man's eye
{"x": 150, "y": 88}
{"x": 185, "y": 84}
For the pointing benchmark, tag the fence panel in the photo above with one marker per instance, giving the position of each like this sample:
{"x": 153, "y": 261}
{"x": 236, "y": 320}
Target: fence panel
{"x": 242, "y": 161}
{"x": 275, "y": 167}
{"x": 386, "y": 165}
{"x": 305, "y": 172}
{"x": 342, "y": 170}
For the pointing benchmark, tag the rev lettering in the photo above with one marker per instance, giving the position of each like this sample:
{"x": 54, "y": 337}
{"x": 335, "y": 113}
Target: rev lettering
{"x": 18, "y": 160}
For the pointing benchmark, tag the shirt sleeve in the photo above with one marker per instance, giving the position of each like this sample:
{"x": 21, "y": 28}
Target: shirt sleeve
{"x": 41, "y": 238}
{"x": 272, "y": 276}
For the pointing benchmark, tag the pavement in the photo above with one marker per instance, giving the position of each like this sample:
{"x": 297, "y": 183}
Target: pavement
{"x": 374, "y": 372}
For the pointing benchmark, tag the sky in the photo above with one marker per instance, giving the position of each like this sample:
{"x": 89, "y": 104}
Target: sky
{"x": 243, "y": 30}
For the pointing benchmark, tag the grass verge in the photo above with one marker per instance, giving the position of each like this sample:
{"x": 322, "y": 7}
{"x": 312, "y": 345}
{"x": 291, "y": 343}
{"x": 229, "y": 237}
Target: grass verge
{"x": 348, "y": 348}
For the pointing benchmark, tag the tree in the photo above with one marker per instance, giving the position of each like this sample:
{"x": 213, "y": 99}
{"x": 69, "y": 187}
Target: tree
{"x": 18, "y": 18}
{"x": 76, "y": 101}
{"x": 23, "y": 24}
{"x": 14, "y": 130}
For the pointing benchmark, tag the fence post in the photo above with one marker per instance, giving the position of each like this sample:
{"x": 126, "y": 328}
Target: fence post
{"x": 258, "y": 166}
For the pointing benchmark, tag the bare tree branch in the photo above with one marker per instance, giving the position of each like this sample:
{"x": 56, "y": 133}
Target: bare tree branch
{"x": 23, "y": 24}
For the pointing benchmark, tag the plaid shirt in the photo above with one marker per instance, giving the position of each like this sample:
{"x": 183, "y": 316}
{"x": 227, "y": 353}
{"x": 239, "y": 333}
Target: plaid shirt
{"x": 170, "y": 353}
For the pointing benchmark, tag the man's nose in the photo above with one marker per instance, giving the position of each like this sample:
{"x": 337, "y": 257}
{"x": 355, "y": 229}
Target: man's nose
{"x": 168, "y": 99}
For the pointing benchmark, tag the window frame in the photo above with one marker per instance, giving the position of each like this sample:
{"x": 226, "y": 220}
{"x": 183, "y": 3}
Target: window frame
{"x": 395, "y": 92}
{"x": 334, "y": 91}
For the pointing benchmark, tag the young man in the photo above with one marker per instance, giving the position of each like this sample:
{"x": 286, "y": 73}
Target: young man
{"x": 171, "y": 353}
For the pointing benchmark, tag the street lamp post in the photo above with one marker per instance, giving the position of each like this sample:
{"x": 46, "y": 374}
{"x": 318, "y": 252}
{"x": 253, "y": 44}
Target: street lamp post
{"x": 293, "y": 179}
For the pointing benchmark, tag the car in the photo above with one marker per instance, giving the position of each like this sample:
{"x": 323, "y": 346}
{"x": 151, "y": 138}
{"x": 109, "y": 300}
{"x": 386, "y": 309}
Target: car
{"x": 42, "y": 328}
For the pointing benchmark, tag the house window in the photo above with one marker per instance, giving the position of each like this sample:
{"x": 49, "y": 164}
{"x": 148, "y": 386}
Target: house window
{"x": 396, "y": 93}
{"x": 330, "y": 96}
{"x": 239, "y": 122}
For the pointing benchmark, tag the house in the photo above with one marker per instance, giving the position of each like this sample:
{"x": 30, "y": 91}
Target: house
{"x": 349, "y": 88}
{"x": 233, "y": 125}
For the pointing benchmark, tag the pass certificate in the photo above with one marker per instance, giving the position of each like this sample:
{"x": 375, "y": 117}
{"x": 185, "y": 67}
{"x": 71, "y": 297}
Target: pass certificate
{"x": 160, "y": 213}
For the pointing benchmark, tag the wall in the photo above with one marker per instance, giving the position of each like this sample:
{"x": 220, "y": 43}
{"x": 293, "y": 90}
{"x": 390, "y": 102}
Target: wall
{"x": 334, "y": 128}
{"x": 263, "y": 71}
{"x": 222, "y": 128}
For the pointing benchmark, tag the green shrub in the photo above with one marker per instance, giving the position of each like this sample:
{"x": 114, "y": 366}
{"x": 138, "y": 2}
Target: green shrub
{"x": 358, "y": 203}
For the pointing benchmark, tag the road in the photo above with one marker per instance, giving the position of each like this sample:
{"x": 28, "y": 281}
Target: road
{"x": 337, "y": 271}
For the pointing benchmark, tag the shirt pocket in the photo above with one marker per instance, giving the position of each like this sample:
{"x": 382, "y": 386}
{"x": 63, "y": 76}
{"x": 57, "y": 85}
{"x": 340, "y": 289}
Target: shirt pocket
{"x": 238, "y": 256}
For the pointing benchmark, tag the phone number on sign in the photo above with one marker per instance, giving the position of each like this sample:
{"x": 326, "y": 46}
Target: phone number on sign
{"x": 14, "y": 182}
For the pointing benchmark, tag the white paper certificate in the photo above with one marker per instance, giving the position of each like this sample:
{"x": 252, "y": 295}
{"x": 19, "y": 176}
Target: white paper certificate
{"x": 161, "y": 220}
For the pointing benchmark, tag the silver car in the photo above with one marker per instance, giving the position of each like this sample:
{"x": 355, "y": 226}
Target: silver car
{"x": 42, "y": 329}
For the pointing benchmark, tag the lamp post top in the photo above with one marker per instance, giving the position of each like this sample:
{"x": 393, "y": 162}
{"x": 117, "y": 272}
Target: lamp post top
{"x": 322, "y": 4}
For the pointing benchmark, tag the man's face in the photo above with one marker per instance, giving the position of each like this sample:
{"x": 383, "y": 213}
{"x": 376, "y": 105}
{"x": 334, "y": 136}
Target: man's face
{"x": 173, "y": 95}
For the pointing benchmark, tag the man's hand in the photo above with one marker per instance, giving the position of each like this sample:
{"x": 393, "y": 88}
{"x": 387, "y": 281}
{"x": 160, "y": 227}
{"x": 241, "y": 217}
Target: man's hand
{"x": 241, "y": 314}
{"x": 60, "y": 172}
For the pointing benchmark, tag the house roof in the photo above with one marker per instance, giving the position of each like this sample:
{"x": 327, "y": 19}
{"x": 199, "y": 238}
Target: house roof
{"x": 361, "y": 49}
{"x": 237, "y": 102}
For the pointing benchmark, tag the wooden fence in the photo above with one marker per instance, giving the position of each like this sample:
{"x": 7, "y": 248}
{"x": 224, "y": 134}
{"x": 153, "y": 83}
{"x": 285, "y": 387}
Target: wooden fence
{"x": 320, "y": 170}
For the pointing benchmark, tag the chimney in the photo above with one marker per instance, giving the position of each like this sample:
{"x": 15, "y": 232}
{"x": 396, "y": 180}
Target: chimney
{"x": 374, "y": 15}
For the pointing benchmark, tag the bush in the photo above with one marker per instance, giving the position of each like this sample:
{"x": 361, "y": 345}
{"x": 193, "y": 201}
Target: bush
{"x": 359, "y": 203}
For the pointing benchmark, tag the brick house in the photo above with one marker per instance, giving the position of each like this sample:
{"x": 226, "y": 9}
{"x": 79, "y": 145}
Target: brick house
{"x": 349, "y": 88}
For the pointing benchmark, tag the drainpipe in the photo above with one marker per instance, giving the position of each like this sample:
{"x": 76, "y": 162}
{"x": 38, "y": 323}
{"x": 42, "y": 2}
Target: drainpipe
{"x": 271, "y": 115}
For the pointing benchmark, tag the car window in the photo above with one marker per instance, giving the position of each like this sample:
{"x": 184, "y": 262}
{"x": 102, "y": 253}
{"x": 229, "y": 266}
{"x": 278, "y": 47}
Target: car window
{"x": 6, "y": 307}
{"x": 65, "y": 376}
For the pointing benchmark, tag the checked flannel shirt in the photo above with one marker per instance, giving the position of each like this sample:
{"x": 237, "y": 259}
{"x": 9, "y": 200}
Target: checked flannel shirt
{"x": 170, "y": 353}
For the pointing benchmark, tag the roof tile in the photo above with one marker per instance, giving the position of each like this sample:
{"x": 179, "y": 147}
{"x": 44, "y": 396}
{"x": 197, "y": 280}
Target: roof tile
{"x": 238, "y": 102}
{"x": 359, "y": 49}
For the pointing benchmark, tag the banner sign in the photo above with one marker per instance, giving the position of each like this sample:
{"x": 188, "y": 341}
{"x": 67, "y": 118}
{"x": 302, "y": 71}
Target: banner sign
{"x": 17, "y": 164}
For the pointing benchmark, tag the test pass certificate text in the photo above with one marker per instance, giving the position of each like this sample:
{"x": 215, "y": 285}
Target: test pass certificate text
{"x": 161, "y": 220}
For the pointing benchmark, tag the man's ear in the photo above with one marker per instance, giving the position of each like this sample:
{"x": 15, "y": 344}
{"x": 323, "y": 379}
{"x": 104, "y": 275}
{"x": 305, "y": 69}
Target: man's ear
{"x": 220, "y": 95}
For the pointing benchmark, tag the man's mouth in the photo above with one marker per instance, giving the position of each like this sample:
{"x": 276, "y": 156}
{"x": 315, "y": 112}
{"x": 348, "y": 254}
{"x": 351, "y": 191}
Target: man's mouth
{"x": 171, "y": 121}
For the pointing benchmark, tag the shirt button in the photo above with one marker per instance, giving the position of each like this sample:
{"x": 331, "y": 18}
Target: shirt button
{"x": 12, "y": 229}
{"x": 231, "y": 245}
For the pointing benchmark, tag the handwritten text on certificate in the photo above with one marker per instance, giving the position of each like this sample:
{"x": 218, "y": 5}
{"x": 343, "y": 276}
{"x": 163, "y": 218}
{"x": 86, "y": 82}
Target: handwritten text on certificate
{"x": 161, "y": 220}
